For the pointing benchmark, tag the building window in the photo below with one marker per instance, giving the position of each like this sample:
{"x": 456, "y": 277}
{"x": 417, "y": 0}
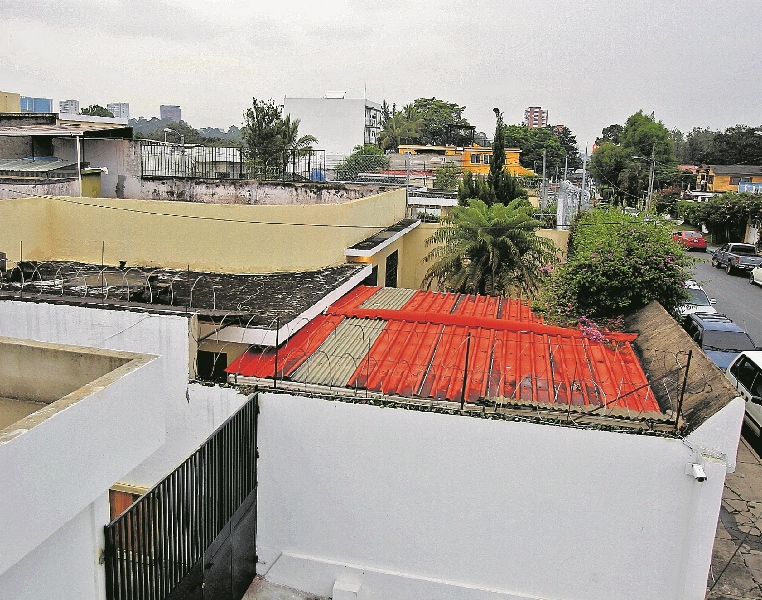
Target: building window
{"x": 487, "y": 159}
{"x": 371, "y": 279}
{"x": 476, "y": 159}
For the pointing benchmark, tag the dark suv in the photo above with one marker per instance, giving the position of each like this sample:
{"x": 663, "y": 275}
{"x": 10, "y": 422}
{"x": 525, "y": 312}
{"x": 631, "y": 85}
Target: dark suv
{"x": 720, "y": 338}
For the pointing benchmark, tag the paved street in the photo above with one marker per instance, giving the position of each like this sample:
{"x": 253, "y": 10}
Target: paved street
{"x": 735, "y": 297}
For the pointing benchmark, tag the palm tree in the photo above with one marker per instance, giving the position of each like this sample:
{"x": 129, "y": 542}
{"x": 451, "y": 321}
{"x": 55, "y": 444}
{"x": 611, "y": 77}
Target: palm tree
{"x": 294, "y": 145}
{"x": 397, "y": 129}
{"x": 489, "y": 250}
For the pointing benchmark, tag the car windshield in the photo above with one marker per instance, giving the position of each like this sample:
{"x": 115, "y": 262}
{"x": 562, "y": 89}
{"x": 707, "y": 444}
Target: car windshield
{"x": 727, "y": 341}
{"x": 744, "y": 249}
{"x": 697, "y": 297}
{"x": 692, "y": 234}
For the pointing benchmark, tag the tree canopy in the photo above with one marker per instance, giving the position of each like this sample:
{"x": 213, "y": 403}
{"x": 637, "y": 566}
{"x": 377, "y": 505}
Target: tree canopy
{"x": 489, "y": 250}
{"x": 424, "y": 121}
{"x": 558, "y": 142}
{"x": 625, "y": 166}
{"x": 96, "y": 110}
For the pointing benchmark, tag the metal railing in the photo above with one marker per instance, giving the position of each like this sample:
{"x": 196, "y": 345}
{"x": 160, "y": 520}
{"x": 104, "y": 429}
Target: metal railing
{"x": 189, "y": 161}
{"x": 168, "y": 532}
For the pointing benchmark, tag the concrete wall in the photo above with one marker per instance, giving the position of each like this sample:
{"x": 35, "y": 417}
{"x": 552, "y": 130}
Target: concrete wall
{"x": 58, "y": 461}
{"x": 39, "y": 373}
{"x": 123, "y": 180}
{"x": 408, "y": 504}
{"x": 28, "y": 189}
{"x": 66, "y": 565}
{"x": 191, "y": 411}
{"x": 218, "y": 238}
{"x": 10, "y": 102}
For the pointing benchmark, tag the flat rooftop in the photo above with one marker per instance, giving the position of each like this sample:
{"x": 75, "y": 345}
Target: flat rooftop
{"x": 254, "y": 300}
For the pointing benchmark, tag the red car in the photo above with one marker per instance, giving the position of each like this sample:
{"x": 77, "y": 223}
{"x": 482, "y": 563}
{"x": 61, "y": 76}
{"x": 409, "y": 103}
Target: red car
{"x": 690, "y": 240}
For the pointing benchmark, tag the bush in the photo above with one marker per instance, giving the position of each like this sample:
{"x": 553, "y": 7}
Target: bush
{"x": 446, "y": 177}
{"x": 617, "y": 264}
{"x": 364, "y": 159}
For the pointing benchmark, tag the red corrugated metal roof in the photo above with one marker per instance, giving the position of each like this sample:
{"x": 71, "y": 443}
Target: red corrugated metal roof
{"x": 512, "y": 355}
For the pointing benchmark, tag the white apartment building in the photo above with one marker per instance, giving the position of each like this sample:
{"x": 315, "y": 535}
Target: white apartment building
{"x": 120, "y": 110}
{"x": 68, "y": 107}
{"x": 339, "y": 123}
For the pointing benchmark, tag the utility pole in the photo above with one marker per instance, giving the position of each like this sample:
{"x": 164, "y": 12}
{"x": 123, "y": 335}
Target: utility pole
{"x": 543, "y": 199}
{"x": 651, "y": 178}
{"x": 584, "y": 174}
{"x": 566, "y": 169}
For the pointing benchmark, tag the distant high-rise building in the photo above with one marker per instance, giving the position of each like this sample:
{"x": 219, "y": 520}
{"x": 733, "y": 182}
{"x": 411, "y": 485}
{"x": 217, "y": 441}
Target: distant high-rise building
{"x": 121, "y": 110}
{"x": 534, "y": 116}
{"x": 68, "y": 107}
{"x": 36, "y": 105}
{"x": 170, "y": 112}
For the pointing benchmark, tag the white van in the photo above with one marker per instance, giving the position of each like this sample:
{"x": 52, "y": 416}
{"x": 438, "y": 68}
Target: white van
{"x": 745, "y": 373}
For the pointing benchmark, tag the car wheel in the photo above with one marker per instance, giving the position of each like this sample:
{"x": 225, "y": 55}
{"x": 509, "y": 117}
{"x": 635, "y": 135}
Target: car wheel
{"x": 729, "y": 269}
{"x": 715, "y": 264}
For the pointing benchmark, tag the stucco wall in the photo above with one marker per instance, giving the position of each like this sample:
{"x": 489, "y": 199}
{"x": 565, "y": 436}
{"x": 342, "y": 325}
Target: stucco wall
{"x": 218, "y": 238}
{"x": 26, "y": 190}
{"x": 414, "y": 504}
{"x": 39, "y": 373}
{"x": 56, "y": 462}
{"x": 66, "y": 566}
{"x": 191, "y": 411}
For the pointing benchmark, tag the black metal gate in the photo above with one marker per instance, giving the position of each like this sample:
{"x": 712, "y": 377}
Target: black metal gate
{"x": 193, "y": 535}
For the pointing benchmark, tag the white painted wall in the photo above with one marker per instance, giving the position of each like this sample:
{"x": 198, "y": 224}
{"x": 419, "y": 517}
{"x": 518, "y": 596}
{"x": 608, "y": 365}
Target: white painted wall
{"x": 422, "y": 505}
{"x": 191, "y": 412}
{"x": 66, "y": 566}
{"x": 337, "y": 123}
{"x": 53, "y": 470}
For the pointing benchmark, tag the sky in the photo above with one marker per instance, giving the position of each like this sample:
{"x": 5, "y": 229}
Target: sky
{"x": 589, "y": 63}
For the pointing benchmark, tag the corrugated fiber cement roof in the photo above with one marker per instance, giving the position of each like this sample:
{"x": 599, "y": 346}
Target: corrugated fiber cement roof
{"x": 414, "y": 343}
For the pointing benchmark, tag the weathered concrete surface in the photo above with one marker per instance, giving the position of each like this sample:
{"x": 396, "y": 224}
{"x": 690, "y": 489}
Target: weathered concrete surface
{"x": 264, "y": 590}
{"x": 736, "y": 572}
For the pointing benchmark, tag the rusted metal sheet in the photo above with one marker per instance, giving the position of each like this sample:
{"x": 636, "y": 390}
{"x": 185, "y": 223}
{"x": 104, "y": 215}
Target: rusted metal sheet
{"x": 340, "y": 354}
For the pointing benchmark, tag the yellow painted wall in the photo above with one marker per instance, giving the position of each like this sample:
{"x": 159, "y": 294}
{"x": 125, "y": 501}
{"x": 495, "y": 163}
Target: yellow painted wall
{"x": 413, "y": 267}
{"x": 10, "y": 102}
{"x": 219, "y": 238}
{"x": 722, "y": 183}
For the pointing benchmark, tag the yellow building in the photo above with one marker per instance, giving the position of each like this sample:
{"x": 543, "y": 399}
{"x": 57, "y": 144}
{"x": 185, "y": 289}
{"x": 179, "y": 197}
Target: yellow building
{"x": 474, "y": 159}
{"x": 10, "y": 102}
{"x": 728, "y": 178}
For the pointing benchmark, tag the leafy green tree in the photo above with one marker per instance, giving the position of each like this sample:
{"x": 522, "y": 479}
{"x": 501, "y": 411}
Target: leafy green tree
{"x": 611, "y": 134}
{"x": 607, "y": 163}
{"x": 180, "y": 130}
{"x": 616, "y": 264}
{"x": 264, "y": 128}
{"x": 532, "y": 142}
{"x": 96, "y": 110}
{"x": 489, "y": 250}
{"x": 698, "y": 147}
{"x": 568, "y": 142}
{"x": 739, "y": 145}
{"x": 440, "y": 121}
{"x": 447, "y": 176}
{"x": 725, "y": 215}
{"x": 643, "y": 135}
{"x": 364, "y": 159}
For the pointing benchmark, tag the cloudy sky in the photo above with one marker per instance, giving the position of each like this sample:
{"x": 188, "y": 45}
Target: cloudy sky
{"x": 590, "y": 63}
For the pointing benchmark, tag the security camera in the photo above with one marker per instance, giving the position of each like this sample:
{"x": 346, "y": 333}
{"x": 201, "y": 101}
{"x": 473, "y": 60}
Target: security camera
{"x": 698, "y": 472}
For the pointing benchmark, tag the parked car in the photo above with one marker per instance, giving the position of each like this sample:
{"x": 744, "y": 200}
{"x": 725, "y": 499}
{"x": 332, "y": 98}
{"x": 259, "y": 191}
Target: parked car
{"x": 698, "y": 301}
{"x": 733, "y": 257}
{"x": 719, "y": 337}
{"x": 690, "y": 240}
{"x": 745, "y": 373}
{"x": 755, "y": 275}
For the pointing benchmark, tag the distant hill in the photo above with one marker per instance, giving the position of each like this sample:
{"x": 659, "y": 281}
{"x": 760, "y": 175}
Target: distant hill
{"x": 153, "y": 129}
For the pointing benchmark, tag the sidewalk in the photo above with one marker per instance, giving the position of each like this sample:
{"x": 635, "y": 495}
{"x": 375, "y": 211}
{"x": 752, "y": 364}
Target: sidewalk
{"x": 736, "y": 572}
